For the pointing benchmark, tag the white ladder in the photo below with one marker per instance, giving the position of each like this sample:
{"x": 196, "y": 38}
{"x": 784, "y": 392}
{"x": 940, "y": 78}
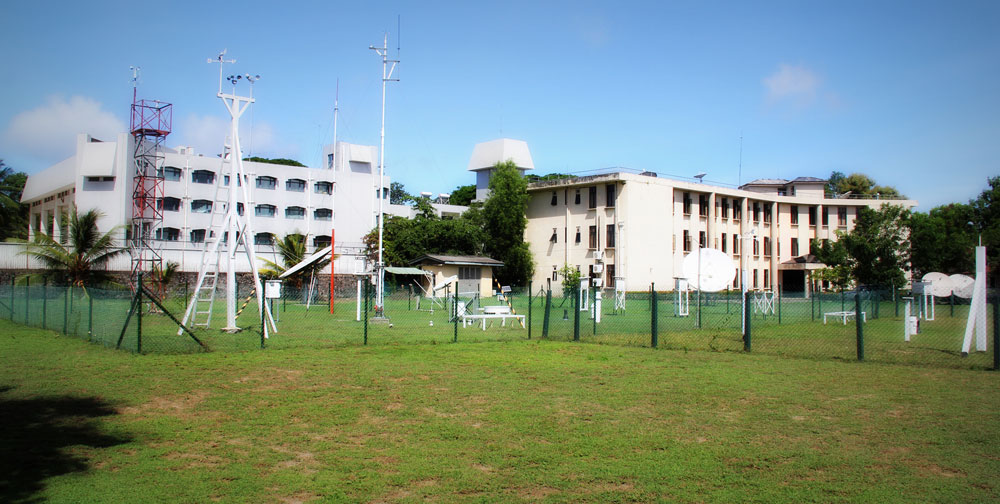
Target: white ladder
{"x": 199, "y": 310}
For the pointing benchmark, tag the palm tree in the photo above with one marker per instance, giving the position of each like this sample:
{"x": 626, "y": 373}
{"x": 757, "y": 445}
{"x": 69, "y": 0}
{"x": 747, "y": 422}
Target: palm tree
{"x": 81, "y": 261}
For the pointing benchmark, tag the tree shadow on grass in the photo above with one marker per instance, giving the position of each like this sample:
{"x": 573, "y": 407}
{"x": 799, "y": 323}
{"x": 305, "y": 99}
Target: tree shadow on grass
{"x": 36, "y": 438}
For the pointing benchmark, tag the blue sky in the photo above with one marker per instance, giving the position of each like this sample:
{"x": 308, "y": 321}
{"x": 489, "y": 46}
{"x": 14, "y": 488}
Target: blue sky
{"x": 906, "y": 92}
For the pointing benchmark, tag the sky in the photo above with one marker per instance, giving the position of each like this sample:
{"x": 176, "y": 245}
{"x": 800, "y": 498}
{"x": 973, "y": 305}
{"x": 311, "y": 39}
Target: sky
{"x": 905, "y": 92}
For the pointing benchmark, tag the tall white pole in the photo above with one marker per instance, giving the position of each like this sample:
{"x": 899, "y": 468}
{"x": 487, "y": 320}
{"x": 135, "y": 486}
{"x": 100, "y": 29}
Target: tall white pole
{"x": 380, "y": 192}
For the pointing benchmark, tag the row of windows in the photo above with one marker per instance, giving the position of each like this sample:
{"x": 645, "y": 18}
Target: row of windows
{"x": 609, "y": 270}
{"x": 610, "y": 196}
{"x": 594, "y": 239}
{"x": 199, "y": 235}
{"x": 724, "y": 244}
{"x": 170, "y": 204}
{"x": 758, "y": 210}
{"x": 172, "y": 173}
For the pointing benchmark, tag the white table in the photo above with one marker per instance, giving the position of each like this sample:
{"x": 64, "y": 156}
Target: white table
{"x": 844, "y": 315}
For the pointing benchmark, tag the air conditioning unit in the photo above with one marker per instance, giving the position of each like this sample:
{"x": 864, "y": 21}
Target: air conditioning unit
{"x": 599, "y": 268}
{"x": 597, "y": 282}
{"x": 598, "y": 255}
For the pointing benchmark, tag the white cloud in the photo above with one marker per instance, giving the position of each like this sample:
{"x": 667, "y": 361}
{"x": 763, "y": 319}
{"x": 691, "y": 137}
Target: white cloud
{"x": 792, "y": 83}
{"x": 207, "y": 134}
{"x": 49, "y": 132}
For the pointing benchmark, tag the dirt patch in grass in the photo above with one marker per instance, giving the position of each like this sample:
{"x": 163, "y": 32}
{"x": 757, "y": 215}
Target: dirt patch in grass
{"x": 178, "y": 406}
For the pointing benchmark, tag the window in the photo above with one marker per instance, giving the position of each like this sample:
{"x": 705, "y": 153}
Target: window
{"x": 737, "y": 210}
{"x": 554, "y": 200}
{"x": 795, "y": 247}
{"x": 197, "y": 235}
{"x": 723, "y": 242}
{"x": 201, "y": 206}
{"x": 295, "y": 212}
{"x": 609, "y": 239}
{"x": 703, "y": 205}
{"x": 555, "y": 236}
{"x": 736, "y": 243}
{"x": 239, "y": 208}
{"x": 265, "y": 182}
{"x": 842, "y": 216}
{"x": 725, "y": 209}
{"x": 610, "y": 196}
{"x": 203, "y": 177}
{"x": 812, "y": 216}
{"x": 767, "y": 282}
{"x": 263, "y": 239}
{"x": 470, "y": 273}
{"x": 592, "y": 200}
{"x": 767, "y": 246}
{"x": 168, "y": 234}
{"x": 321, "y": 241}
{"x": 767, "y": 213}
{"x": 826, "y": 216}
{"x": 323, "y": 188}
{"x": 795, "y": 215}
{"x": 576, "y": 201}
{"x": 578, "y": 235}
{"x": 323, "y": 214}
{"x": 295, "y": 185}
{"x": 702, "y": 239}
{"x": 756, "y": 247}
{"x": 170, "y": 204}
{"x": 593, "y": 237}
{"x": 610, "y": 282}
{"x": 687, "y": 203}
{"x": 171, "y": 173}
{"x": 264, "y": 211}
{"x": 686, "y": 241}
{"x": 756, "y": 211}
{"x": 225, "y": 180}
{"x": 755, "y": 278}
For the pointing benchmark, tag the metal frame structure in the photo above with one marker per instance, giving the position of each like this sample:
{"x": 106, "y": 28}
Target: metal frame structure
{"x": 379, "y": 272}
{"x": 150, "y": 123}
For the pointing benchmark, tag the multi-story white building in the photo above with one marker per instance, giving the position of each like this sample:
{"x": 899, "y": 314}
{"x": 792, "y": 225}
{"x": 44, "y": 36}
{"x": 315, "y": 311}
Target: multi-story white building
{"x": 637, "y": 228}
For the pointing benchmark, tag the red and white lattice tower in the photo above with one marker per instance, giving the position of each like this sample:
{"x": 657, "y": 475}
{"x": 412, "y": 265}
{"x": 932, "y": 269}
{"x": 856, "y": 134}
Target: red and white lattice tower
{"x": 150, "y": 125}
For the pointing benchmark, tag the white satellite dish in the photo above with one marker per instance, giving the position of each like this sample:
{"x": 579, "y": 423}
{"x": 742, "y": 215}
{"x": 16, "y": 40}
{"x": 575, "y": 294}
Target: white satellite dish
{"x": 962, "y": 285}
{"x": 714, "y": 273}
{"x": 940, "y": 284}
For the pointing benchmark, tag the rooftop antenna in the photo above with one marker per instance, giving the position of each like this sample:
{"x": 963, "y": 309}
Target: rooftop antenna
{"x": 701, "y": 177}
{"x": 134, "y": 80}
{"x": 336, "y": 110}
{"x": 387, "y": 71}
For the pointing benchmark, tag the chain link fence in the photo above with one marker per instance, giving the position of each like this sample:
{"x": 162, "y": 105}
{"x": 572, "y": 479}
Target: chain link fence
{"x": 866, "y": 324}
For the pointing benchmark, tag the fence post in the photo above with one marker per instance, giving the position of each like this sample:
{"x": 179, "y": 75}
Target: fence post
{"x": 12, "y": 298}
{"x": 593, "y": 309}
{"x": 138, "y": 320}
{"x": 843, "y": 306}
{"x": 530, "y": 302}
{"x": 366, "y": 309}
{"x": 895, "y": 297}
{"x": 859, "y": 324}
{"x": 263, "y": 320}
{"x": 653, "y": 327}
{"x": 996, "y": 333}
{"x": 65, "y": 311}
{"x": 699, "y": 301}
{"x": 45, "y": 303}
{"x": 548, "y": 309}
{"x": 812, "y": 306}
{"x": 576, "y": 314}
{"x": 90, "y": 317}
{"x": 27, "y": 301}
{"x": 779, "y": 304}
{"x": 952, "y": 300}
{"x": 747, "y": 317}
{"x": 454, "y": 316}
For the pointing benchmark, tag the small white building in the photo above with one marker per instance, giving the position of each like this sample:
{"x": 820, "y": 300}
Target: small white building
{"x": 486, "y": 155}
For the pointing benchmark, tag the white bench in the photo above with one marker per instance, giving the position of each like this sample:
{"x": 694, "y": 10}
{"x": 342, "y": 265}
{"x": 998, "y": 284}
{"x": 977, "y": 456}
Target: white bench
{"x": 844, "y": 315}
{"x": 491, "y": 313}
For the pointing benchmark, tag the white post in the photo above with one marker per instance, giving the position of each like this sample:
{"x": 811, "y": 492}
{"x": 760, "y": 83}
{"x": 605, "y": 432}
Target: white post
{"x": 977, "y": 309}
{"x": 357, "y": 310}
{"x": 380, "y": 266}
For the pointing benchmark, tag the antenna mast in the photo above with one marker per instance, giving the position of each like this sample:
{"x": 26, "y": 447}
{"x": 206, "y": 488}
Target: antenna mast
{"x": 387, "y": 71}
{"x": 336, "y": 110}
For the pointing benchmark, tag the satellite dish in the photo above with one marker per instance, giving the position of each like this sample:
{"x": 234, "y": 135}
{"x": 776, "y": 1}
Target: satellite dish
{"x": 714, "y": 273}
{"x": 940, "y": 284}
{"x": 962, "y": 285}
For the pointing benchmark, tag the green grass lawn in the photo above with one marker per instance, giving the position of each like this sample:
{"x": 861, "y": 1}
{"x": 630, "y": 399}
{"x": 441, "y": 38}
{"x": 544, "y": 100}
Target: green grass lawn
{"x": 501, "y": 421}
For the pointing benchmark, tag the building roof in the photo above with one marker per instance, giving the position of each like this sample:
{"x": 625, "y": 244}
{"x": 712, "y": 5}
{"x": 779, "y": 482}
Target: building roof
{"x": 460, "y": 260}
{"x": 766, "y": 182}
{"x": 50, "y": 180}
{"x": 809, "y": 179}
{"x": 486, "y": 155}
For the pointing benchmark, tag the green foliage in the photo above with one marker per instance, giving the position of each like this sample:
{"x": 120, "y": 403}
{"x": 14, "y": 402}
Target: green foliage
{"x": 551, "y": 176}
{"x": 292, "y": 249}
{"x": 463, "y": 195}
{"x": 859, "y": 184}
{"x": 504, "y": 223}
{"x": 405, "y": 240}
{"x": 398, "y": 194}
{"x": 834, "y": 256}
{"x": 277, "y": 161}
{"x": 943, "y": 240}
{"x": 13, "y": 215}
{"x": 570, "y": 280}
{"x": 878, "y": 246}
{"x": 82, "y": 260}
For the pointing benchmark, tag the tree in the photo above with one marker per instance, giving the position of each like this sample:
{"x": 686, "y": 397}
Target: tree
{"x": 13, "y": 215}
{"x": 986, "y": 211}
{"x": 571, "y": 280}
{"x": 277, "y": 161}
{"x": 504, "y": 223}
{"x": 943, "y": 239}
{"x": 859, "y": 184}
{"x": 463, "y": 195}
{"x": 834, "y": 256}
{"x": 81, "y": 262}
{"x": 878, "y": 246}
{"x": 398, "y": 194}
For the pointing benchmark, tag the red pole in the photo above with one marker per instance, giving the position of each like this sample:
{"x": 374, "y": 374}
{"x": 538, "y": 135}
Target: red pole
{"x": 331, "y": 270}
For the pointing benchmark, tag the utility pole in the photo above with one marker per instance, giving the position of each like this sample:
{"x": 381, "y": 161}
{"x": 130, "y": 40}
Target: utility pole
{"x": 387, "y": 71}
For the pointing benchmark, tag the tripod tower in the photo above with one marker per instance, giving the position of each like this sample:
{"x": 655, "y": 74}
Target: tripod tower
{"x": 149, "y": 125}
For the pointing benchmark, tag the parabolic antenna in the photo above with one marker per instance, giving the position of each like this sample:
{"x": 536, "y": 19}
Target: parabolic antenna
{"x": 962, "y": 285}
{"x": 714, "y": 273}
{"x": 940, "y": 284}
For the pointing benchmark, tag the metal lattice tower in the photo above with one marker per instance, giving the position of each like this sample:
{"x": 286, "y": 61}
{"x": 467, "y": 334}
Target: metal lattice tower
{"x": 150, "y": 125}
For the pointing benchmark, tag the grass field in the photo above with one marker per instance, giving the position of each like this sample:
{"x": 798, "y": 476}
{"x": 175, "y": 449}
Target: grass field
{"x": 502, "y": 421}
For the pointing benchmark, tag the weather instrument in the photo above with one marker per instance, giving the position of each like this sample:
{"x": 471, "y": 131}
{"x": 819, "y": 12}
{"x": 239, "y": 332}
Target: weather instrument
{"x": 709, "y": 270}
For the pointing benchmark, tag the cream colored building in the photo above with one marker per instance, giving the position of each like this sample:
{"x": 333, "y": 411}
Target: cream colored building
{"x": 472, "y": 273}
{"x": 634, "y": 229}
